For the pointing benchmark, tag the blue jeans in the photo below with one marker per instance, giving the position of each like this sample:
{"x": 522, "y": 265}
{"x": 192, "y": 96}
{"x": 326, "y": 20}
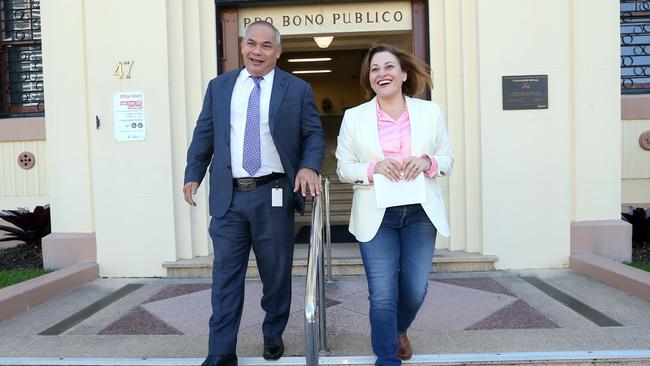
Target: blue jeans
{"x": 397, "y": 262}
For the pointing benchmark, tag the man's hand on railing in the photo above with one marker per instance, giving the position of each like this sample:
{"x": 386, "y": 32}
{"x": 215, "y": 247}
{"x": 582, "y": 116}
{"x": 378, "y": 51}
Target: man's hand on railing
{"x": 308, "y": 178}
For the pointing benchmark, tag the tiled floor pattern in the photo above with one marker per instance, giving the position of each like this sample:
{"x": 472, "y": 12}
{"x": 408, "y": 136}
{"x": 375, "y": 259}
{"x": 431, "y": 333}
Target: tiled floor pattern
{"x": 451, "y": 304}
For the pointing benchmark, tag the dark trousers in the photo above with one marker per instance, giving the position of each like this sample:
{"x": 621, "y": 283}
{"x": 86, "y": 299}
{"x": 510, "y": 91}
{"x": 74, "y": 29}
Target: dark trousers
{"x": 251, "y": 221}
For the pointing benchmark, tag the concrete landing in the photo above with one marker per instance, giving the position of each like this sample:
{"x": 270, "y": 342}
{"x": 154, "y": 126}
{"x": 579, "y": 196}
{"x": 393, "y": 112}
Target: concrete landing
{"x": 346, "y": 261}
{"x": 492, "y": 313}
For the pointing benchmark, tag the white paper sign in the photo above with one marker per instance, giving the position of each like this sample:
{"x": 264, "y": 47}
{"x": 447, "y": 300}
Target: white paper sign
{"x": 128, "y": 116}
{"x": 389, "y": 193}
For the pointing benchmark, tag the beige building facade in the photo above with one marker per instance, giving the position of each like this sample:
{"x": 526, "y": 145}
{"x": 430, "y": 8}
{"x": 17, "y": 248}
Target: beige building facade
{"x": 521, "y": 178}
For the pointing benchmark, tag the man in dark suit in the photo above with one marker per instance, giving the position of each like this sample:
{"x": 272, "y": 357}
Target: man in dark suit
{"x": 260, "y": 132}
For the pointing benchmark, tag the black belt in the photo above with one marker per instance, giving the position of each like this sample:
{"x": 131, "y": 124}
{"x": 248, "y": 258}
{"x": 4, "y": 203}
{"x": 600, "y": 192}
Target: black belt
{"x": 248, "y": 184}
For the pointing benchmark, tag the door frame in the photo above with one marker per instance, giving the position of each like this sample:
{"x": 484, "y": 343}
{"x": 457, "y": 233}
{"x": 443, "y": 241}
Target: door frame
{"x": 228, "y": 30}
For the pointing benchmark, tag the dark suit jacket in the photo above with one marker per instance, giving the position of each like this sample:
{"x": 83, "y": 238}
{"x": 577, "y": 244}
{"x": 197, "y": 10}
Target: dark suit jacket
{"x": 295, "y": 127}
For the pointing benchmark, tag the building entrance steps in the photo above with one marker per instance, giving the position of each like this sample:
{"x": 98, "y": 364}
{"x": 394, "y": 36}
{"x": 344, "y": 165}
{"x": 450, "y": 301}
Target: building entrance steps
{"x": 478, "y": 314}
{"x": 340, "y": 203}
{"x": 346, "y": 260}
{"x": 592, "y": 358}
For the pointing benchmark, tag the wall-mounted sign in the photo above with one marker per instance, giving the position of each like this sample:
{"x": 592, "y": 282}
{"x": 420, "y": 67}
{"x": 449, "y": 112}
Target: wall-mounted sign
{"x": 525, "y": 92}
{"x": 332, "y": 18}
{"x": 123, "y": 69}
{"x": 128, "y": 116}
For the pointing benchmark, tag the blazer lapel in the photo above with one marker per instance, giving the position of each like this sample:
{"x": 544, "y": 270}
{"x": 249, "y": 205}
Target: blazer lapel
{"x": 223, "y": 104}
{"x": 370, "y": 130}
{"x": 277, "y": 94}
{"x": 416, "y": 118}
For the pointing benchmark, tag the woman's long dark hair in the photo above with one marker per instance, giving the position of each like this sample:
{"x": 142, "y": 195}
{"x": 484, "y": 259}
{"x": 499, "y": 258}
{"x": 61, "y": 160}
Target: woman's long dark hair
{"x": 417, "y": 71}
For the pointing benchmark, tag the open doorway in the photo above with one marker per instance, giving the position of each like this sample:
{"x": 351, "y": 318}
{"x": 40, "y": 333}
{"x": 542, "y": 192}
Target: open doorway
{"x": 333, "y": 73}
{"x": 336, "y": 88}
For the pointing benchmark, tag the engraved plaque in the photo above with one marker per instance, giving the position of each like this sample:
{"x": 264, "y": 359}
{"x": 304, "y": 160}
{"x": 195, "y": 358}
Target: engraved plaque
{"x": 525, "y": 92}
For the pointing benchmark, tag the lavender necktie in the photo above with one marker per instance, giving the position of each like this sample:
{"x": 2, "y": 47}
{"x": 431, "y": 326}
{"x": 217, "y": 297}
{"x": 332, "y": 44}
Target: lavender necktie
{"x": 252, "y": 159}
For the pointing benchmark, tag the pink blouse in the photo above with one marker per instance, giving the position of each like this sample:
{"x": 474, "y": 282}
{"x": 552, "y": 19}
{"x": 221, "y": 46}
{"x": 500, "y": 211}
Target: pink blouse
{"x": 395, "y": 140}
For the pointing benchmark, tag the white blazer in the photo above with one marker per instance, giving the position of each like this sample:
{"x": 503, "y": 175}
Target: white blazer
{"x": 358, "y": 145}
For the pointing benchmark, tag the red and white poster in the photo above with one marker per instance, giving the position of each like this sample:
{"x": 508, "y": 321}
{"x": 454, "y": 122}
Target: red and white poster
{"x": 128, "y": 116}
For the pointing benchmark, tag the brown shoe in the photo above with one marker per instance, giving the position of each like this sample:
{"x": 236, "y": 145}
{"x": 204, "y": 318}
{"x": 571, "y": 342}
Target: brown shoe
{"x": 404, "y": 350}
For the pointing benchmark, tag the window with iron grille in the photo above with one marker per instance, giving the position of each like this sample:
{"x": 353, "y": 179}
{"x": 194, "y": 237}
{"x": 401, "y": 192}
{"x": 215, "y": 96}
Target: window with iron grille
{"x": 635, "y": 46}
{"x": 21, "y": 63}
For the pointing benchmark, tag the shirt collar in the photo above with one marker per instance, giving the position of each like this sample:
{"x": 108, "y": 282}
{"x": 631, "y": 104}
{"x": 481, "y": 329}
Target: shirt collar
{"x": 244, "y": 75}
{"x": 383, "y": 116}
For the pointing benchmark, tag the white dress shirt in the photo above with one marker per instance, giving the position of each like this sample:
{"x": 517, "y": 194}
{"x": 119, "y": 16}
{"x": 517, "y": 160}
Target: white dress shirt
{"x": 238, "y": 106}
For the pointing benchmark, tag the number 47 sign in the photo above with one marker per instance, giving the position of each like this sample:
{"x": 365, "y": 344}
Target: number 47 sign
{"x": 120, "y": 68}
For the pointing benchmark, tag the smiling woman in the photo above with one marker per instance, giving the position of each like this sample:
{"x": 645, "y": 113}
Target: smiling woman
{"x": 392, "y": 142}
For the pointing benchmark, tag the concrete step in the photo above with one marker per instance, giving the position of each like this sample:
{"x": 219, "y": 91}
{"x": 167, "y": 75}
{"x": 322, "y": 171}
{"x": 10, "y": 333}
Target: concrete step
{"x": 346, "y": 261}
{"x": 340, "y": 203}
{"x": 336, "y": 218}
{"x": 336, "y": 202}
{"x": 343, "y": 208}
{"x": 566, "y": 358}
{"x": 337, "y": 196}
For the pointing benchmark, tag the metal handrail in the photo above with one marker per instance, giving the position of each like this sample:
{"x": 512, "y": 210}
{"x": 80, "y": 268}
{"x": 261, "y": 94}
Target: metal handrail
{"x": 315, "y": 317}
{"x": 328, "y": 233}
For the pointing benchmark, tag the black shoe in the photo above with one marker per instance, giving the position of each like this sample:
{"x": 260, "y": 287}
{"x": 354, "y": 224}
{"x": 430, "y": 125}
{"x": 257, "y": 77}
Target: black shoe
{"x": 273, "y": 348}
{"x": 225, "y": 360}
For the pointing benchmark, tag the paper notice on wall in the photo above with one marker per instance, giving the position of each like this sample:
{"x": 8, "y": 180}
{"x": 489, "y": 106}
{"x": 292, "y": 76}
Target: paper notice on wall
{"x": 128, "y": 116}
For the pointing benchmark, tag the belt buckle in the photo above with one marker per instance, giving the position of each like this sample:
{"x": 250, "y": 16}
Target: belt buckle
{"x": 246, "y": 184}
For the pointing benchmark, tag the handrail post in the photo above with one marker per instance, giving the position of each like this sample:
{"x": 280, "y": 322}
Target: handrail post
{"x": 315, "y": 312}
{"x": 328, "y": 233}
{"x": 321, "y": 297}
{"x": 312, "y": 312}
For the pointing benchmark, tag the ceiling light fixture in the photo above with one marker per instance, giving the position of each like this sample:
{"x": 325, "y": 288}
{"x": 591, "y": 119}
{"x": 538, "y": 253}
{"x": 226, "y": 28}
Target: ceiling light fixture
{"x": 311, "y": 71}
{"x": 312, "y": 59}
{"x": 323, "y": 42}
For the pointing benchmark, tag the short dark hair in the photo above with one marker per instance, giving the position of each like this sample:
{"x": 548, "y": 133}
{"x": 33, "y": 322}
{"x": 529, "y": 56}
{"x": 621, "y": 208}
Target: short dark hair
{"x": 417, "y": 71}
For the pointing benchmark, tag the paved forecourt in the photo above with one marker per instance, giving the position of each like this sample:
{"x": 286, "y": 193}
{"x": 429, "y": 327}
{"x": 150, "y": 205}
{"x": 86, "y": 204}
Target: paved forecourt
{"x": 540, "y": 313}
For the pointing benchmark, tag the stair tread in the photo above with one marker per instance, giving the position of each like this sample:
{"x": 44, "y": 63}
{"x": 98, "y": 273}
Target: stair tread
{"x": 442, "y": 255}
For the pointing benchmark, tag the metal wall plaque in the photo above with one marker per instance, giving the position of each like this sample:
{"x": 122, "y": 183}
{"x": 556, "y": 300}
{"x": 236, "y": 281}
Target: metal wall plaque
{"x": 525, "y": 92}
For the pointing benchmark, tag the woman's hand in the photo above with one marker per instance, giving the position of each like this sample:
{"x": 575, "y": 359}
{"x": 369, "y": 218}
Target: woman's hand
{"x": 413, "y": 166}
{"x": 389, "y": 168}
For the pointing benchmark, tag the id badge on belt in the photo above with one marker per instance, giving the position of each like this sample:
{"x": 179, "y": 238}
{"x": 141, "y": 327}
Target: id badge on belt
{"x": 276, "y": 197}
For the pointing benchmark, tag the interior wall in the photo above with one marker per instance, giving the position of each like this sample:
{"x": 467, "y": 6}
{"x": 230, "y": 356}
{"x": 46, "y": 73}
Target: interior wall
{"x": 343, "y": 94}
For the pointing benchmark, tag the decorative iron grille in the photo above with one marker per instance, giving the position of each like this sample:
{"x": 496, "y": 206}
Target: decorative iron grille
{"x": 635, "y": 46}
{"x": 21, "y": 62}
